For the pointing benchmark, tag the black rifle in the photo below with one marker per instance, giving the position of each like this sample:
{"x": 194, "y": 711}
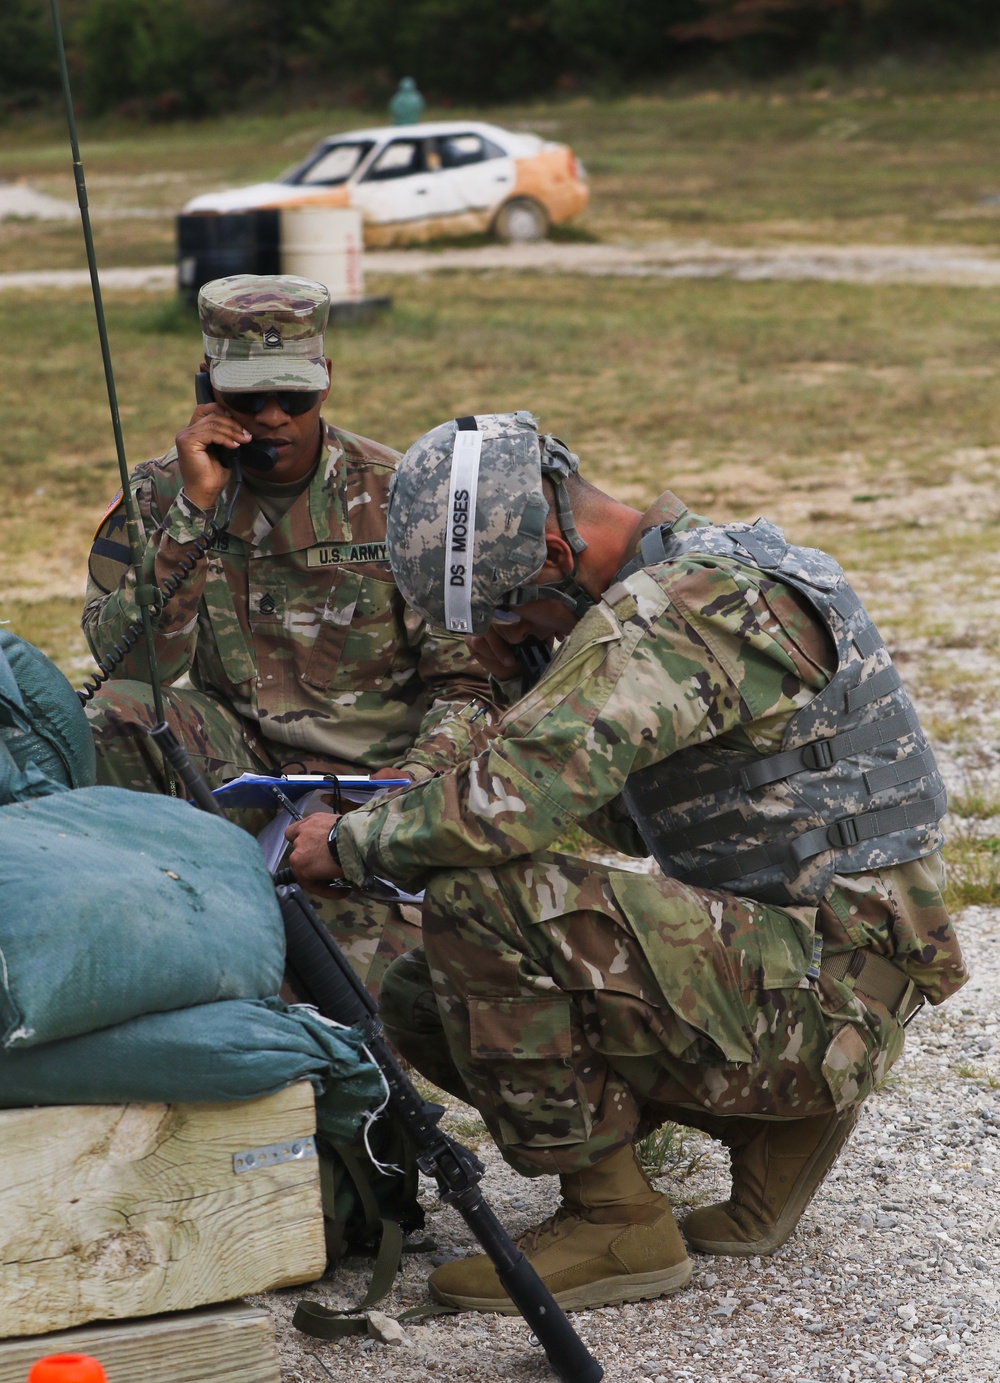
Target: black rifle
{"x": 319, "y": 972}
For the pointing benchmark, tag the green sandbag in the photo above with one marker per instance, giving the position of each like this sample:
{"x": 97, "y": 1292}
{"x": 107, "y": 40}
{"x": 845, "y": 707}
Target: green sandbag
{"x": 117, "y": 903}
{"x": 42, "y": 725}
{"x": 216, "y": 1053}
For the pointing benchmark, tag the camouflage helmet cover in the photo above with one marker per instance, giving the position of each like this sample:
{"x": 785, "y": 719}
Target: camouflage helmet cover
{"x": 264, "y": 332}
{"x": 467, "y": 537}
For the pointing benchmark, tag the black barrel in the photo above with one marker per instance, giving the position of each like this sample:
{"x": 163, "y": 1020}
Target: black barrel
{"x": 212, "y": 247}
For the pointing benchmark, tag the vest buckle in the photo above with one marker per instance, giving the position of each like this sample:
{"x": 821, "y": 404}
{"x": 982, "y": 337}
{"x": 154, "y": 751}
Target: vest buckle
{"x": 844, "y": 833}
{"x": 819, "y": 754}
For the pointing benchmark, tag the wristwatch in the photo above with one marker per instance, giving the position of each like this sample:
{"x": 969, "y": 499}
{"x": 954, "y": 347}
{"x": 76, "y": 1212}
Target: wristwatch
{"x": 331, "y": 845}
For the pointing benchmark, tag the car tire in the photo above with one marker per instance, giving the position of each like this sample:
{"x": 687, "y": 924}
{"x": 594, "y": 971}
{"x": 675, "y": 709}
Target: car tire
{"x": 521, "y": 221}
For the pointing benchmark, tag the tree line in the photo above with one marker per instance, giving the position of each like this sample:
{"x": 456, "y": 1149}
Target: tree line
{"x": 171, "y": 58}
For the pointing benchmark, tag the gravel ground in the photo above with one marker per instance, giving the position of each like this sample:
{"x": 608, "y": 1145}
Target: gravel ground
{"x": 893, "y": 1274}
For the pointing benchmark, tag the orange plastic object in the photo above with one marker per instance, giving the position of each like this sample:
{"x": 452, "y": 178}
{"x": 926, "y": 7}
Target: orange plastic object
{"x": 67, "y": 1368}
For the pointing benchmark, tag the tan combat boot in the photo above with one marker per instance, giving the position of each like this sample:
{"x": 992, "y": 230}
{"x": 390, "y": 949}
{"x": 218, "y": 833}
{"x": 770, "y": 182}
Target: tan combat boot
{"x": 777, "y": 1167}
{"x": 613, "y": 1239}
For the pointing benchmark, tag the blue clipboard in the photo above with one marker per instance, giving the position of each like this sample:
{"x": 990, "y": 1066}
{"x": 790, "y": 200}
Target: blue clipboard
{"x": 255, "y": 789}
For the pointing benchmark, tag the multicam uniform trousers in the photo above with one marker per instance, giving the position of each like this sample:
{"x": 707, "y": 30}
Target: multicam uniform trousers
{"x": 578, "y": 1006}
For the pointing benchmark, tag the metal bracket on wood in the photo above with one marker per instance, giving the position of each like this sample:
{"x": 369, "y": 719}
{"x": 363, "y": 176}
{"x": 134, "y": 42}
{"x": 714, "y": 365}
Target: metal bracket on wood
{"x": 274, "y": 1153}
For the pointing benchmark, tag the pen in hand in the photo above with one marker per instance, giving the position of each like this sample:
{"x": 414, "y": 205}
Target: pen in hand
{"x": 289, "y": 807}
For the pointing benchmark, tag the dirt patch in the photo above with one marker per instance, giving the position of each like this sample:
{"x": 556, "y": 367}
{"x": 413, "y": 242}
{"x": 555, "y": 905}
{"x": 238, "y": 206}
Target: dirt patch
{"x": 958, "y": 265}
{"x": 954, "y": 265}
{"x": 20, "y": 201}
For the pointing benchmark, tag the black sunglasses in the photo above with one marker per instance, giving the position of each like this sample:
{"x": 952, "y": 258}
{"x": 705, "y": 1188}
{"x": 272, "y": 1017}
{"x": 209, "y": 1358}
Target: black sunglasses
{"x": 292, "y": 401}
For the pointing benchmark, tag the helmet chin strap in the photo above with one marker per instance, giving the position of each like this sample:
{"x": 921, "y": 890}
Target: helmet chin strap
{"x": 568, "y": 592}
{"x": 558, "y": 462}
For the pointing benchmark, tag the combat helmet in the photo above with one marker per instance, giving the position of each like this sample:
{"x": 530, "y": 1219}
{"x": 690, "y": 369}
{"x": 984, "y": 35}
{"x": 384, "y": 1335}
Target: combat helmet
{"x": 466, "y": 520}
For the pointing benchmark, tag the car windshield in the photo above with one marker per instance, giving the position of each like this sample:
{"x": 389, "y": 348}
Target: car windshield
{"x": 332, "y": 165}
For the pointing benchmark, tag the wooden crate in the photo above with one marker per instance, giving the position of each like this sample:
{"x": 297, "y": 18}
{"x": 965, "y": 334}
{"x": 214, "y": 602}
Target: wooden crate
{"x": 225, "y": 1344}
{"x": 115, "y": 1211}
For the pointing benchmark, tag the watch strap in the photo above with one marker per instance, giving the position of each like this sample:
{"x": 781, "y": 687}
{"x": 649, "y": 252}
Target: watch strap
{"x": 331, "y": 844}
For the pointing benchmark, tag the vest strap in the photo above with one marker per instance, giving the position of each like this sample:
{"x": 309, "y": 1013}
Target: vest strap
{"x": 872, "y": 688}
{"x": 721, "y": 827}
{"x": 736, "y": 867}
{"x": 895, "y": 775}
{"x": 816, "y": 754}
{"x": 842, "y": 835}
{"x": 819, "y": 754}
{"x": 867, "y": 640}
{"x": 852, "y": 830}
{"x": 765, "y": 554}
{"x": 652, "y": 548}
{"x": 846, "y": 602}
{"x": 875, "y": 977}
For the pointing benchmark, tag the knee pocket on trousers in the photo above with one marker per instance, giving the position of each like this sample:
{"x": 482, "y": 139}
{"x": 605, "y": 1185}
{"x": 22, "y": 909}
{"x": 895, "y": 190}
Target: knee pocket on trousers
{"x": 862, "y": 1049}
{"x": 526, "y": 1046}
{"x": 856, "y": 1061}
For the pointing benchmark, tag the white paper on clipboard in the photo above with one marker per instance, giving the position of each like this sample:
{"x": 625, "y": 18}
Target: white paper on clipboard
{"x": 273, "y": 843}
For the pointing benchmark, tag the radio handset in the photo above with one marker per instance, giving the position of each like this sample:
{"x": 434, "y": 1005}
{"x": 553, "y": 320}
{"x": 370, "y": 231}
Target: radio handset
{"x": 533, "y": 657}
{"x": 261, "y": 457}
{"x": 255, "y": 456}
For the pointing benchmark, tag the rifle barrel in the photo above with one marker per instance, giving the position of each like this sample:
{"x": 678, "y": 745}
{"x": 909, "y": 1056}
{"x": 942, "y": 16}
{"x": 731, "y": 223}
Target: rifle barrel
{"x": 319, "y": 969}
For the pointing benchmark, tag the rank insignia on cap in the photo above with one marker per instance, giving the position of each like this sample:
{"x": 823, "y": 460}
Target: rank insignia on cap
{"x": 272, "y": 337}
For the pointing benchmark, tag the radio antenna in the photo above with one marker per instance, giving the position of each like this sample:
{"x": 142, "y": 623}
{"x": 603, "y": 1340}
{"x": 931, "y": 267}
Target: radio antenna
{"x": 146, "y": 595}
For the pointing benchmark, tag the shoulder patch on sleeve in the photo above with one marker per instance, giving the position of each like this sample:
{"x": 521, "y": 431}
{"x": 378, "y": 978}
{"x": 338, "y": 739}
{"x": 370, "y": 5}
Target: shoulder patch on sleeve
{"x": 117, "y": 499}
{"x": 110, "y": 557}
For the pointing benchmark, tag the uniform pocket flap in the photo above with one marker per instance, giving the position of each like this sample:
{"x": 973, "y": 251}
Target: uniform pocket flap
{"x": 523, "y": 1028}
{"x": 847, "y": 1066}
{"x": 687, "y": 953}
{"x": 335, "y": 625}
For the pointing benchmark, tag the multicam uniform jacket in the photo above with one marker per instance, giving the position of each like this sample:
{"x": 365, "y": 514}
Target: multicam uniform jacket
{"x": 686, "y": 653}
{"x": 298, "y": 627}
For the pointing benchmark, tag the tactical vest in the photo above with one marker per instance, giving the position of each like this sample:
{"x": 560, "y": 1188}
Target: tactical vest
{"x": 854, "y": 787}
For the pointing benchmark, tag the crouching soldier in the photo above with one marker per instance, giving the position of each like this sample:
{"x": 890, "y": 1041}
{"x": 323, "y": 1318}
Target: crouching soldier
{"x": 721, "y": 700}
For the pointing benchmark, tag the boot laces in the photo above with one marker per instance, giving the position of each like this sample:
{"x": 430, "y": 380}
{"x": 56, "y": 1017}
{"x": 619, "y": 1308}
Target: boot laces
{"x": 550, "y": 1228}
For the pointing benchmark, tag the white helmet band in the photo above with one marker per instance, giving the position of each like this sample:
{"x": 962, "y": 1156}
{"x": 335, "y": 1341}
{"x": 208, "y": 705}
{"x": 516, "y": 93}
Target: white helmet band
{"x": 460, "y": 537}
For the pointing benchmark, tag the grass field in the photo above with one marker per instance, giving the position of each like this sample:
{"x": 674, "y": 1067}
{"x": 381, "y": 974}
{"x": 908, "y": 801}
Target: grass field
{"x": 865, "y": 419}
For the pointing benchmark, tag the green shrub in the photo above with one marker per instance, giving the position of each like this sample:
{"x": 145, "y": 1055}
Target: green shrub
{"x": 27, "y": 51}
{"x": 146, "y": 57}
{"x": 159, "y": 58}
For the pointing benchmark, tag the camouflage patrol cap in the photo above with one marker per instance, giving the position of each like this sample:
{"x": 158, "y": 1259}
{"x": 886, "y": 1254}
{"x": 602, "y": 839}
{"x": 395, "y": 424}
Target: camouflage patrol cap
{"x": 265, "y": 332}
{"x": 466, "y": 518}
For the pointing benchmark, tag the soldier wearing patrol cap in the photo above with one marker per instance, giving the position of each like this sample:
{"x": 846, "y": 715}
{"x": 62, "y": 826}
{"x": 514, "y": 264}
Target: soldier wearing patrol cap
{"x": 299, "y": 648}
{"x": 721, "y": 700}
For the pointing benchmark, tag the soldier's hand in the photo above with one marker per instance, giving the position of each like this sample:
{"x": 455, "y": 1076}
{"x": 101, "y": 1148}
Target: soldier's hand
{"x": 310, "y": 859}
{"x": 204, "y": 477}
{"x": 495, "y": 654}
